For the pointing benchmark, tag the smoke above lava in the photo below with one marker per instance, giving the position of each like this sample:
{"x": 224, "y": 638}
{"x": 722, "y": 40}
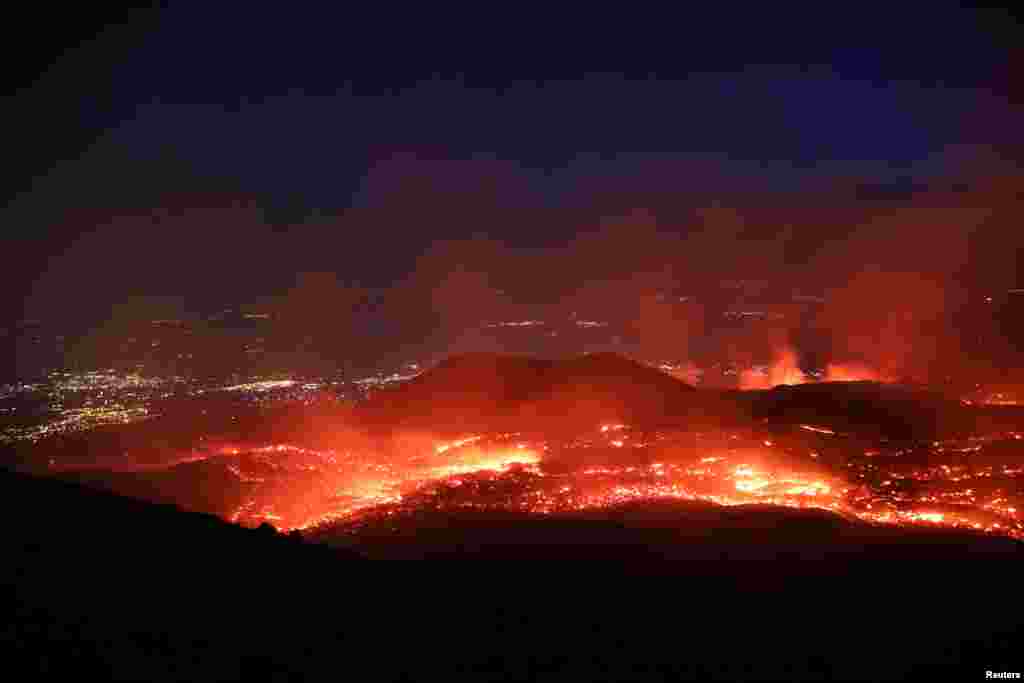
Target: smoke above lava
{"x": 893, "y": 274}
{"x": 896, "y": 273}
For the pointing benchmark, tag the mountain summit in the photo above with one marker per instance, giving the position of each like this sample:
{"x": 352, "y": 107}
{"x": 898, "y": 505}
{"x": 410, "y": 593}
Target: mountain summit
{"x": 486, "y": 391}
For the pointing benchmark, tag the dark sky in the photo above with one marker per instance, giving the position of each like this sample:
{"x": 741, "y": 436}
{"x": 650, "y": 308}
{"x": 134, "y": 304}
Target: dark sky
{"x": 213, "y": 150}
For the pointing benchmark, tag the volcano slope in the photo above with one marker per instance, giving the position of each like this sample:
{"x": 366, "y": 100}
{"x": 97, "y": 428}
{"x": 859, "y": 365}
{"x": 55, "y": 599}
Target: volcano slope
{"x": 494, "y": 392}
{"x": 123, "y": 590}
{"x": 867, "y": 409}
{"x": 486, "y": 392}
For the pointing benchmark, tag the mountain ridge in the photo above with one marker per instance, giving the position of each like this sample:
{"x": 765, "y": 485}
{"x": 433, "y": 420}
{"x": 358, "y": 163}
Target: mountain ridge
{"x": 486, "y": 391}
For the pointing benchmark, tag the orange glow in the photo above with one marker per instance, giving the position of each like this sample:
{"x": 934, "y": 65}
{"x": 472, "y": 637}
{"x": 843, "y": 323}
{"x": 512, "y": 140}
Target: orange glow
{"x": 609, "y": 428}
{"x": 1001, "y": 398}
{"x": 819, "y": 430}
{"x": 783, "y": 370}
{"x": 851, "y": 372}
{"x": 444, "y": 447}
{"x": 935, "y": 517}
{"x": 749, "y": 480}
{"x": 478, "y": 460}
{"x": 302, "y": 488}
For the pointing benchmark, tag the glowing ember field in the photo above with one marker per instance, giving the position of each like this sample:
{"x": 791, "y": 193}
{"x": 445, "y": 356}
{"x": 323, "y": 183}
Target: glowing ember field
{"x": 967, "y": 485}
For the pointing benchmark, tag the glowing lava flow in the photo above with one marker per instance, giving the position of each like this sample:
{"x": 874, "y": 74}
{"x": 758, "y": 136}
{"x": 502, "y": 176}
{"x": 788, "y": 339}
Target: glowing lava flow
{"x": 851, "y": 372}
{"x": 784, "y": 370}
{"x": 297, "y": 488}
{"x": 750, "y": 481}
{"x": 302, "y": 488}
{"x": 819, "y": 430}
{"x": 445, "y": 447}
{"x": 482, "y": 461}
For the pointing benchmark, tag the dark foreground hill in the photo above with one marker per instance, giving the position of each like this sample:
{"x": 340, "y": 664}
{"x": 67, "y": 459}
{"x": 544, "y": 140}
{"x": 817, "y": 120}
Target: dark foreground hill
{"x": 495, "y": 392}
{"x": 111, "y": 589}
{"x": 203, "y": 486}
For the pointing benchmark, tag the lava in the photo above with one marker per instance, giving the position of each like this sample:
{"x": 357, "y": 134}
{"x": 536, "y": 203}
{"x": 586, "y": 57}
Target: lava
{"x": 445, "y": 447}
{"x": 819, "y": 430}
{"x": 301, "y": 488}
{"x": 479, "y": 461}
{"x": 851, "y": 372}
{"x": 784, "y": 369}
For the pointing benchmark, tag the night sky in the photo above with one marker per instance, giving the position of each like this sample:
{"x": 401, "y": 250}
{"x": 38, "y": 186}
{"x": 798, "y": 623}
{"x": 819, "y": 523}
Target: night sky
{"x": 210, "y": 152}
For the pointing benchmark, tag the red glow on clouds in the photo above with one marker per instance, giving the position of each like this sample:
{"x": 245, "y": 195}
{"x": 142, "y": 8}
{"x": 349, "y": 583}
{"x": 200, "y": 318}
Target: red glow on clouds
{"x": 784, "y": 370}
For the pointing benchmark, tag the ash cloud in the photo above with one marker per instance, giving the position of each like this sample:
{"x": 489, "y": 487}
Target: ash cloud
{"x": 899, "y": 274}
{"x": 909, "y": 283}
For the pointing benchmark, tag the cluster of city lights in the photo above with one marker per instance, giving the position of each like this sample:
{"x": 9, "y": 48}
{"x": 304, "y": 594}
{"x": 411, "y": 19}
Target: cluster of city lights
{"x": 81, "y": 401}
{"x": 77, "y": 420}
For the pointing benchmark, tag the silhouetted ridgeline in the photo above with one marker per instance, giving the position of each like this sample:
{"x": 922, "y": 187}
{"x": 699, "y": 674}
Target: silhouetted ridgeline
{"x": 88, "y": 527}
{"x": 206, "y": 486}
{"x": 113, "y": 589}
